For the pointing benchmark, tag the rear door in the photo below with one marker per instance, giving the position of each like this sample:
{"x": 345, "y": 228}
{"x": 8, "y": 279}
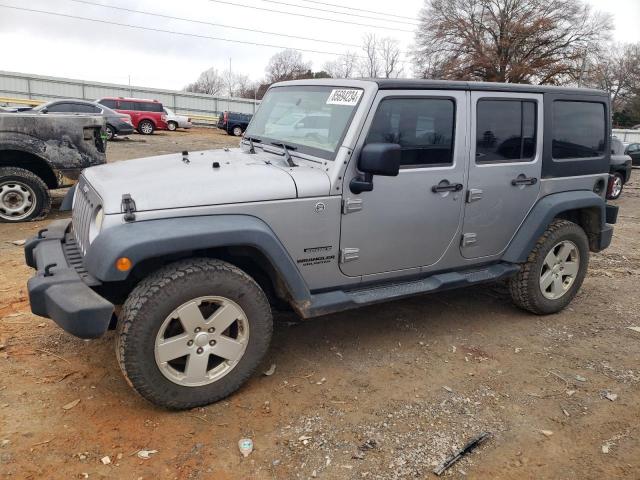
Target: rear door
{"x": 131, "y": 109}
{"x": 505, "y": 168}
{"x": 412, "y": 219}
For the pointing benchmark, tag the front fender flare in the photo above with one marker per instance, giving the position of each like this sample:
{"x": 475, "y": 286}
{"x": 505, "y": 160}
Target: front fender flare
{"x": 144, "y": 240}
{"x": 541, "y": 216}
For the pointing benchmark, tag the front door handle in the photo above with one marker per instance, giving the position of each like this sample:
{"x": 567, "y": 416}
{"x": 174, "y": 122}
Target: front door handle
{"x": 524, "y": 180}
{"x": 445, "y": 186}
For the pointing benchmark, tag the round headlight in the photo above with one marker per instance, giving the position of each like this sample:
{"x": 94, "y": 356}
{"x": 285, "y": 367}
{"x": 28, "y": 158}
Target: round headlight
{"x": 96, "y": 224}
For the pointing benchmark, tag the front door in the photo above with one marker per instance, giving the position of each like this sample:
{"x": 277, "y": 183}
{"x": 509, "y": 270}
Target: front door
{"x": 504, "y": 173}
{"x": 410, "y": 220}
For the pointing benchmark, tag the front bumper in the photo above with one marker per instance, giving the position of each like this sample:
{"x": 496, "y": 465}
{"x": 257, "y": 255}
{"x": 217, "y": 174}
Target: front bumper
{"x": 57, "y": 290}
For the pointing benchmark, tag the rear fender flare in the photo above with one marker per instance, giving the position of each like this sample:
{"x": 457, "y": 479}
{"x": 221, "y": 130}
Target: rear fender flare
{"x": 543, "y": 213}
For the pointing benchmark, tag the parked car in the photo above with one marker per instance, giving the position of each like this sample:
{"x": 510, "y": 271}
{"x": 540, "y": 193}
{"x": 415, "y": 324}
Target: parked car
{"x": 393, "y": 201}
{"x": 633, "y": 150}
{"x": 39, "y": 153}
{"x": 619, "y": 168}
{"x": 175, "y": 121}
{"x": 115, "y": 123}
{"x": 147, "y": 116}
{"x": 234, "y": 123}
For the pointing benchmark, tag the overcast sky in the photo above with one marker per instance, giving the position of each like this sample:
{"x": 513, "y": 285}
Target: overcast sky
{"x": 67, "y": 47}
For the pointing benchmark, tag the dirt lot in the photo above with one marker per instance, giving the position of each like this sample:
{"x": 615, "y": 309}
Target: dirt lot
{"x": 381, "y": 393}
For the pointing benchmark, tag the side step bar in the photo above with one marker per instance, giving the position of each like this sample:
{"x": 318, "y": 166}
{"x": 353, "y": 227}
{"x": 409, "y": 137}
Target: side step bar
{"x": 337, "y": 301}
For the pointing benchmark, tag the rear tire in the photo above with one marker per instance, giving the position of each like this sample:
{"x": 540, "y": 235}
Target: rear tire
{"x": 110, "y": 132}
{"x": 162, "y": 312}
{"x": 554, "y": 270}
{"x": 237, "y": 131}
{"x": 24, "y": 197}
{"x": 146, "y": 127}
{"x": 616, "y": 188}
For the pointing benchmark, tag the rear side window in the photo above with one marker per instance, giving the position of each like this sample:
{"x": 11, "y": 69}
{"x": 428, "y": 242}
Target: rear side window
{"x": 422, "y": 126}
{"x": 126, "y": 105}
{"x": 150, "y": 107}
{"x": 579, "y": 129}
{"x": 505, "y": 131}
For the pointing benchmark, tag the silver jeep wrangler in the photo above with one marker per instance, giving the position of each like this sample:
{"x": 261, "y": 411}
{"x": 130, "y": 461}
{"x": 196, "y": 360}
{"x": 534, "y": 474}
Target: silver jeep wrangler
{"x": 343, "y": 193}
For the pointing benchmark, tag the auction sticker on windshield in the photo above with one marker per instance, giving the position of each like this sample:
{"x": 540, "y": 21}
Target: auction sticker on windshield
{"x": 344, "y": 96}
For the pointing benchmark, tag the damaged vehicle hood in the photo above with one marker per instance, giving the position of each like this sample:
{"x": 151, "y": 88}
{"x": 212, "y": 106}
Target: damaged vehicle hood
{"x": 212, "y": 177}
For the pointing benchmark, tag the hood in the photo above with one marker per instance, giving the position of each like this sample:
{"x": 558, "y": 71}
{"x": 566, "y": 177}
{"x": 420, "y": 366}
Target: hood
{"x": 166, "y": 181}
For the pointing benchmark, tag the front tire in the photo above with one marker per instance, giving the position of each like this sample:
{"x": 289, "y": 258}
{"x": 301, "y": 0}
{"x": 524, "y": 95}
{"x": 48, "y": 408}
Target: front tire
{"x": 24, "y": 197}
{"x": 146, "y": 127}
{"x": 554, "y": 270}
{"x": 193, "y": 332}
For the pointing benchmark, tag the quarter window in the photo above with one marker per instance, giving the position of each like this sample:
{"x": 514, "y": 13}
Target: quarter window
{"x": 424, "y": 128}
{"x": 578, "y": 129}
{"x": 505, "y": 131}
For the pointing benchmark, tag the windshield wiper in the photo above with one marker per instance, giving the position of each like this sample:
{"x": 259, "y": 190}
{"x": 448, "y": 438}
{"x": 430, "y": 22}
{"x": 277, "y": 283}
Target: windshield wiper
{"x": 287, "y": 155}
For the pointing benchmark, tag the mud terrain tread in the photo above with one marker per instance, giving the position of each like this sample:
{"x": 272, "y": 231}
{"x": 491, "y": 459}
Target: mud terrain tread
{"x": 520, "y": 285}
{"x": 41, "y": 188}
{"x": 162, "y": 281}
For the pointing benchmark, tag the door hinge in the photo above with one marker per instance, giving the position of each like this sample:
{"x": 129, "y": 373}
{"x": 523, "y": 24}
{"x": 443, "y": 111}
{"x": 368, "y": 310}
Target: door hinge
{"x": 128, "y": 208}
{"x": 349, "y": 254}
{"x": 474, "y": 194}
{"x": 469, "y": 239}
{"x": 350, "y": 205}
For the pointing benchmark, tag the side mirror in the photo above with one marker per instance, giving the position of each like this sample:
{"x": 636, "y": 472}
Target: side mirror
{"x": 44, "y": 110}
{"x": 376, "y": 159}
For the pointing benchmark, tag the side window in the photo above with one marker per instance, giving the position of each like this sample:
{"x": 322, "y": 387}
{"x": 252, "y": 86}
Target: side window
{"x": 578, "y": 129}
{"x": 125, "y": 105}
{"x": 60, "y": 108}
{"x": 82, "y": 108}
{"x": 422, "y": 126}
{"x": 155, "y": 107}
{"x": 108, "y": 103}
{"x": 505, "y": 131}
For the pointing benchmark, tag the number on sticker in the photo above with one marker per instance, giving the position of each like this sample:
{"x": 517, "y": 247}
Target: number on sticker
{"x": 344, "y": 96}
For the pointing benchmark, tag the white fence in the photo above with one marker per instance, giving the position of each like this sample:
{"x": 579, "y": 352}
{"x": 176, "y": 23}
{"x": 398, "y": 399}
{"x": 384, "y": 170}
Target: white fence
{"x": 627, "y": 136}
{"x": 38, "y": 87}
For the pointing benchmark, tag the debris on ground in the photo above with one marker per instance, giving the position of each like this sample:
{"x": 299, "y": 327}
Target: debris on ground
{"x": 369, "y": 445}
{"x": 609, "y": 395}
{"x": 246, "y": 446}
{"x": 105, "y": 460}
{"x": 448, "y": 389}
{"x": 546, "y": 433}
{"x": 580, "y": 378}
{"x": 146, "y": 454}
{"x": 473, "y": 443}
{"x": 635, "y": 329}
{"x": 70, "y": 405}
{"x": 270, "y": 371}
{"x": 18, "y": 243}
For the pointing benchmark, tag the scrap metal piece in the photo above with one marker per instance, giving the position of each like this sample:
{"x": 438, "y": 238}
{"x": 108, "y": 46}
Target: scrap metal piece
{"x": 473, "y": 443}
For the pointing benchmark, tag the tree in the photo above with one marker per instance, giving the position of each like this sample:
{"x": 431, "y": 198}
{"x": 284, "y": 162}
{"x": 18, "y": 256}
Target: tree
{"x": 209, "y": 82}
{"x": 286, "y": 65}
{"x": 520, "y": 41}
{"x": 370, "y": 65}
{"x": 390, "y": 56}
{"x": 342, "y": 67}
{"x": 616, "y": 70}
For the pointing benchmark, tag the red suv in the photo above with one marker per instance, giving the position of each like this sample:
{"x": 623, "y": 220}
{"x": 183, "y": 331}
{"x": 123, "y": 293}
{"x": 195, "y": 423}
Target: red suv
{"x": 146, "y": 115}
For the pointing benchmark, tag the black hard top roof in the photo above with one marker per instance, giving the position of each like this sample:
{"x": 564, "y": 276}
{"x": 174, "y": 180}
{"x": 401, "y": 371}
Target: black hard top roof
{"x": 412, "y": 84}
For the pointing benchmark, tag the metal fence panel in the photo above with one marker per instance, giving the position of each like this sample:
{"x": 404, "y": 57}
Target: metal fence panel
{"x": 43, "y": 88}
{"x": 627, "y": 136}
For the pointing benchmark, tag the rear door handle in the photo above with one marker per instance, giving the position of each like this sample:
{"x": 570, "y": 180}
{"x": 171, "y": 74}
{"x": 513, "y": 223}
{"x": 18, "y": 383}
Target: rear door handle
{"x": 445, "y": 186}
{"x": 523, "y": 180}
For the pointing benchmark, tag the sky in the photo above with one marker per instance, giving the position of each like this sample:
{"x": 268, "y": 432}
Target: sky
{"x": 62, "y": 46}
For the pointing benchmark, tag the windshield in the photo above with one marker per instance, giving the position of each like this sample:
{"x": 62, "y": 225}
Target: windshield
{"x": 313, "y": 119}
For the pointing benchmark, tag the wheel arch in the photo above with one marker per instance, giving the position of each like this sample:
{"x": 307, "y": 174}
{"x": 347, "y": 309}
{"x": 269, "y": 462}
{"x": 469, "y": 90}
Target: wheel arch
{"x": 20, "y": 158}
{"x": 242, "y": 240}
{"x": 583, "y": 207}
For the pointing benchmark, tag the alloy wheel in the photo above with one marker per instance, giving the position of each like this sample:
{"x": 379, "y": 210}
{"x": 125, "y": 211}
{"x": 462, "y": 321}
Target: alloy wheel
{"x": 559, "y": 270}
{"x": 201, "y": 341}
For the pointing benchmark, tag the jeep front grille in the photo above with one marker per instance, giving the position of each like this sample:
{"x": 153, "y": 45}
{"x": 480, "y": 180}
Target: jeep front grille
{"x": 85, "y": 203}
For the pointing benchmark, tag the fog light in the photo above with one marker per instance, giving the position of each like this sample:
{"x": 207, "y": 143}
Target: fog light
{"x": 123, "y": 264}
